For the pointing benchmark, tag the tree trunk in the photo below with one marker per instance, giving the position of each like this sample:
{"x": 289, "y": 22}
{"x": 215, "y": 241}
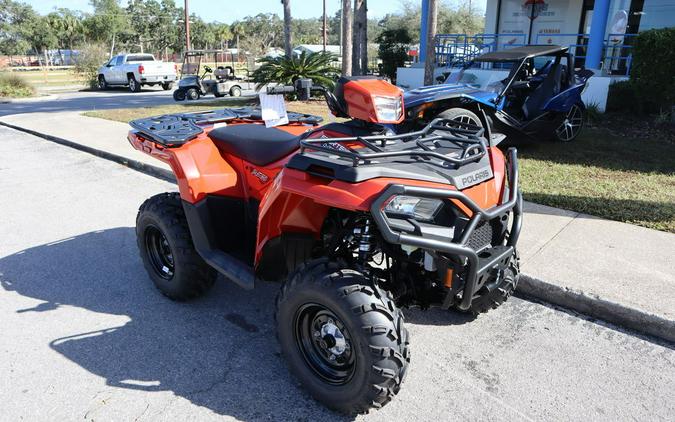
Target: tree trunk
{"x": 347, "y": 37}
{"x": 288, "y": 36}
{"x": 112, "y": 45}
{"x": 364, "y": 50}
{"x": 429, "y": 62}
{"x": 359, "y": 39}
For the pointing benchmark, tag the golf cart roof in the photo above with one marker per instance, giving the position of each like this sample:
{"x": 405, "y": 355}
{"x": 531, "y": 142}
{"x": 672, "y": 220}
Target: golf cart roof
{"x": 203, "y": 52}
{"x": 521, "y": 53}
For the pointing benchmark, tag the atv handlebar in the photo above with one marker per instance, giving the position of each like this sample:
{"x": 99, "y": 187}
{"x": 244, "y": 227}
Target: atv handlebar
{"x": 284, "y": 89}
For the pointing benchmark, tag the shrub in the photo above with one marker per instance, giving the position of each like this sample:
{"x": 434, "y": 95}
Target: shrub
{"x": 622, "y": 97}
{"x": 393, "y": 50}
{"x": 90, "y": 59}
{"x": 286, "y": 70}
{"x": 653, "y": 70}
{"x": 14, "y": 86}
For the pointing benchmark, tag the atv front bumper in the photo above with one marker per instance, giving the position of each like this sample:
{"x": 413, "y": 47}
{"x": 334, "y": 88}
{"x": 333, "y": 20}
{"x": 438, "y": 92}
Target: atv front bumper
{"x": 479, "y": 264}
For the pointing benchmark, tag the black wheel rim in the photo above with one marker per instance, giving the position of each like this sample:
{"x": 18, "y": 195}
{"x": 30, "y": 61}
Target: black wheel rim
{"x": 159, "y": 252}
{"x": 325, "y": 344}
{"x": 571, "y": 126}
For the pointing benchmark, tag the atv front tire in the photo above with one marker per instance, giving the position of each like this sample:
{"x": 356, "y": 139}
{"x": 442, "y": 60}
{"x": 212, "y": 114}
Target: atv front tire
{"x": 166, "y": 247}
{"x": 342, "y": 336}
{"x": 497, "y": 295}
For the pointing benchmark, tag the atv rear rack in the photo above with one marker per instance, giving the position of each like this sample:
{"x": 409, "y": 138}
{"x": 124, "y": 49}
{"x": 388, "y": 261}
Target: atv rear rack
{"x": 172, "y": 130}
{"x": 420, "y": 145}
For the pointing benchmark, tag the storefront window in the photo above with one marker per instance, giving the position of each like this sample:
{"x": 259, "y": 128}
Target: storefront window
{"x": 539, "y": 21}
{"x": 657, "y": 14}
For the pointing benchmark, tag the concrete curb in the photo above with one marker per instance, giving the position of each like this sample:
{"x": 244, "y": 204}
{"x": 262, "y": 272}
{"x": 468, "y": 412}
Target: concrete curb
{"x": 48, "y": 97}
{"x": 148, "y": 169}
{"x": 591, "y": 305}
{"x": 616, "y": 313}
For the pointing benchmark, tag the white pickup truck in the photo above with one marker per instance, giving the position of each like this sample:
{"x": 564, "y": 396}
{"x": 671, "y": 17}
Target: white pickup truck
{"x": 136, "y": 70}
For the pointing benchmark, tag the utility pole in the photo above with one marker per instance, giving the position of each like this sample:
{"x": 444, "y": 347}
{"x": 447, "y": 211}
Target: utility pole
{"x": 325, "y": 23}
{"x": 347, "y": 31}
{"x": 429, "y": 62}
{"x": 187, "y": 26}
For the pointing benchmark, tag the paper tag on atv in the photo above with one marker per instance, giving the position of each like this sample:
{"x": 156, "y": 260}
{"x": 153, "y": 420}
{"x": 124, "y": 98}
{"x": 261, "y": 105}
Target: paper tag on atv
{"x": 273, "y": 110}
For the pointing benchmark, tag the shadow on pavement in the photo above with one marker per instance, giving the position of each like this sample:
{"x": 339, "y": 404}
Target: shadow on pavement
{"x": 219, "y": 352}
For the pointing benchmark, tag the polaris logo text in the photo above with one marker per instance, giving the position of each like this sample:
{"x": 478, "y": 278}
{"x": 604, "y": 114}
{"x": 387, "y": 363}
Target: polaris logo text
{"x": 466, "y": 180}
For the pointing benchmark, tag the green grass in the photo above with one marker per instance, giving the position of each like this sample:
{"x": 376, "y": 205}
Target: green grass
{"x": 12, "y": 86}
{"x": 618, "y": 178}
{"x": 614, "y": 177}
{"x": 48, "y": 78}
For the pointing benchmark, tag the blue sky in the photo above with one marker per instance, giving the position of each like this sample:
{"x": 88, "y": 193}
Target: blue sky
{"x": 231, "y": 10}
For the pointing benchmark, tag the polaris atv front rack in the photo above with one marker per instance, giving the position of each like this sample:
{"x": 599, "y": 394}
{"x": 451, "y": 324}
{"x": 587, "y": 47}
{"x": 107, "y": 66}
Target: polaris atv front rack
{"x": 423, "y": 144}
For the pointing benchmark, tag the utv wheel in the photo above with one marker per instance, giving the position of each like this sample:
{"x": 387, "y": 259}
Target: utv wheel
{"x": 134, "y": 86}
{"x": 342, "y": 337}
{"x": 166, "y": 248}
{"x": 235, "y": 91}
{"x": 179, "y": 95}
{"x": 102, "y": 84}
{"x": 461, "y": 115}
{"x": 167, "y": 86}
{"x": 192, "y": 94}
{"x": 570, "y": 128}
{"x": 492, "y": 298}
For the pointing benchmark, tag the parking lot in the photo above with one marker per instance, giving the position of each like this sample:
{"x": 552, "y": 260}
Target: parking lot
{"x": 86, "y": 336}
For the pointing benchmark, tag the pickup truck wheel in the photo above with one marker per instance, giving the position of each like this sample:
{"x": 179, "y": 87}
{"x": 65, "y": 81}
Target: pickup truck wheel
{"x": 167, "y": 86}
{"x": 134, "y": 86}
{"x": 102, "y": 84}
{"x": 235, "y": 91}
{"x": 192, "y": 94}
{"x": 179, "y": 95}
{"x": 167, "y": 251}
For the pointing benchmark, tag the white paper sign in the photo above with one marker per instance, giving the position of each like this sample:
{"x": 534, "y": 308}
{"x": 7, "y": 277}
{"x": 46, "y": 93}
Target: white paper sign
{"x": 273, "y": 110}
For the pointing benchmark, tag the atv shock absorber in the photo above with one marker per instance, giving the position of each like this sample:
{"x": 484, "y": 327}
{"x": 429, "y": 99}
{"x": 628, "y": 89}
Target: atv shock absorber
{"x": 364, "y": 238}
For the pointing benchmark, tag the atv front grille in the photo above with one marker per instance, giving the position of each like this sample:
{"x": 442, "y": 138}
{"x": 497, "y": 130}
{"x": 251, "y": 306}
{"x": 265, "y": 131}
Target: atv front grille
{"x": 482, "y": 236}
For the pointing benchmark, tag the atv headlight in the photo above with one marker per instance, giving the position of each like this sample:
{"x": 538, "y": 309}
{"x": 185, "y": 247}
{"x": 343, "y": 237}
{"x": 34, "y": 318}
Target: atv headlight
{"x": 388, "y": 109}
{"x": 422, "y": 209}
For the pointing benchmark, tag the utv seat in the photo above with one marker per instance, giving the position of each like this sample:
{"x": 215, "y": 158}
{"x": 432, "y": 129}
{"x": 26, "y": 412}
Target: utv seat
{"x": 256, "y": 144}
{"x": 548, "y": 88}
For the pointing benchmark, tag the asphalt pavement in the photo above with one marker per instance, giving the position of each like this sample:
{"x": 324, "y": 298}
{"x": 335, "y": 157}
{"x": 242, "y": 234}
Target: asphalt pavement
{"x": 86, "y": 336}
{"x": 95, "y": 100}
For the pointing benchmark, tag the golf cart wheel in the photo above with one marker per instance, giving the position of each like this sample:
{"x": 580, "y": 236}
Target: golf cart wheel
{"x": 102, "y": 84}
{"x": 167, "y": 251}
{"x": 134, "y": 85}
{"x": 179, "y": 95}
{"x": 235, "y": 91}
{"x": 571, "y": 126}
{"x": 461, "y": 115}
{"x": 342, "y": 336}
{"x": 493, "y": 296}
{"x": 192, "y": 94}
{"x": 167, "y": 86}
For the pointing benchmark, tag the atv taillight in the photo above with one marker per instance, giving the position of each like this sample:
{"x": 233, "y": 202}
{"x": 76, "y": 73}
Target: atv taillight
{"x": 141, "y": 69}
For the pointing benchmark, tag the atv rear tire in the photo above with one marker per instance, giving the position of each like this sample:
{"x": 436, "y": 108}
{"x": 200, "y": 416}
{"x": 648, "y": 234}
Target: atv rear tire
{"x": 342, "y": 336}
{"x": 461, "y": 115}
{"x": 166, "y": 247}
{"x": 507, "y": 285}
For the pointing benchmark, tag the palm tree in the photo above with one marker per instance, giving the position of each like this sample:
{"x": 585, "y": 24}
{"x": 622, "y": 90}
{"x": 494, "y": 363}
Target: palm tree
{"x": 286, "y": 70}
{"x": 288, "y": 47}
{"x": 360, "y": 48}
{"x": 346, "y": 37}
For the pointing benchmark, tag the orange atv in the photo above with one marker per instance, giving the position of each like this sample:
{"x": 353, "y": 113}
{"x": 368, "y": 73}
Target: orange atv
{"x": 355, "y": 222}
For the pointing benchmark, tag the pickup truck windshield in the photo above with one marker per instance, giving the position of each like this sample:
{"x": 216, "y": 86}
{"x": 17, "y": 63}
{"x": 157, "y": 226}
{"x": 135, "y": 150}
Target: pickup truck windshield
{"x": 140, "y": 58}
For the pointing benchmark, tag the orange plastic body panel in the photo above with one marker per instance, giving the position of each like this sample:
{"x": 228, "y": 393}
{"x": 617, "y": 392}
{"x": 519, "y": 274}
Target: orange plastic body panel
{"x": 358, "y": 95}
{"x": 298, "y": 201}
{"x": 202, "y": 169}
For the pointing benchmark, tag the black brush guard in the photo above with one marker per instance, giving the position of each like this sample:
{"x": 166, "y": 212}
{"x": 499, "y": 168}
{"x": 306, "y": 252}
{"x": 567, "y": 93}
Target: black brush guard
{"x": 478, "y": 265}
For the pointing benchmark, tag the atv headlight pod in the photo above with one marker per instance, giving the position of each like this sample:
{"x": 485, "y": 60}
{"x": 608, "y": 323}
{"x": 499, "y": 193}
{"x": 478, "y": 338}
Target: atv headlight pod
{"x": 388, "y": 109}
{"x": 422, "y": 209}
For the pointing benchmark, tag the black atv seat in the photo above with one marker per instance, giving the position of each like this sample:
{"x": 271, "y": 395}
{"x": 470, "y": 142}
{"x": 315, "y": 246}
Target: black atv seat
{"x": 255, "y": 143}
